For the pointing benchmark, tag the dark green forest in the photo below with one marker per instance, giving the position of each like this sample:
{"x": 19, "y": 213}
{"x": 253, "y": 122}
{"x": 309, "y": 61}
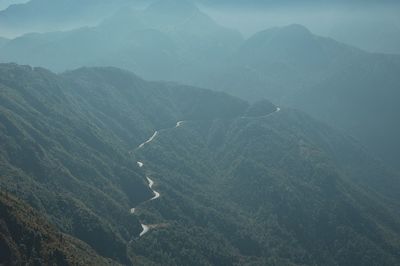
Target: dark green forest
{"x": 26, "y": 237}
{"x": 241, "y": 183}
{"x": 175, "y": 40}
{"x": 200, "y": 133}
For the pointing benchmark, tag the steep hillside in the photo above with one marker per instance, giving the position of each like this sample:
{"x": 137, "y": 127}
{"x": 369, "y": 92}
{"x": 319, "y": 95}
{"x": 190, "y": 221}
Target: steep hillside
{"x": 173, "y": 40}
{"x": 66, "y": 142}
{"x": 238, "y": 183}
{"x": 275, "y": 189}
{"x": 26, "y": 238}
{"x": 281, "y": 61}
{"x": 56, "y": 155}
{"x": 362, "y": 100}
{"x": 333, "y": 82}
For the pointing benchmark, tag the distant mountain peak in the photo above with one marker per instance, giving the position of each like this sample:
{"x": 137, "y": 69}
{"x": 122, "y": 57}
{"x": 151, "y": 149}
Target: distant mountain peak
{"x": 291, "y": 31}
{"x": 298, "y": 28}
{"x": 173, "y": 7}
{"x": 292, "y": 42}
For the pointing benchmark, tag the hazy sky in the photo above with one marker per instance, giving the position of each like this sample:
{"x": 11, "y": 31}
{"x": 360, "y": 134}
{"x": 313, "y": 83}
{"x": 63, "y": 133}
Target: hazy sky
{"x": 247, "y": 3}
{"x": 374, "y": 27}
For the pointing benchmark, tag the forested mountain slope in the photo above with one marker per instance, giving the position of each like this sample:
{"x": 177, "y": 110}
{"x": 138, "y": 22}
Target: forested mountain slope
{"x": 280, "y": 189}
{"x": 26, "y": 238}
{"x": 66, "y": 142}
{"x": 343, "y": 86}
{"x": 174, "y": 40}
{"x": 363, "y": 100}
{"x": 239, "y": 183}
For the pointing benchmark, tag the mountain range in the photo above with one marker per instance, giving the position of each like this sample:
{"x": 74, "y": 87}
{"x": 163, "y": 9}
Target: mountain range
{"x": 177, "y": 36}
{"x": 46, "y": 15}
{"x": 66, "y": 151}
{"x": 173, "y": 40}
{"x": 282, "y": 149}
{"x": 239, "y": 183}
{"x": 334, "y": 82}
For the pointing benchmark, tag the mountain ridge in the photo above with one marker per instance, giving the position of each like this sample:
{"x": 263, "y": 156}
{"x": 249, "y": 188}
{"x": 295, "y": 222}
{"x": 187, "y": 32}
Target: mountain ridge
{"x": 67, "y": 148}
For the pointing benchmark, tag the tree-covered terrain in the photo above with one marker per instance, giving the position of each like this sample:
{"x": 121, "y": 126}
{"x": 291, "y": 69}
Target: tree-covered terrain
{"x": 280, "y": 189}
{"x": 240, "y": 183}
{"x": 176, "y": 41}
{"x": 346, "y": 87}
{"x": 66, "y": 143}
{"x": 27, "y": 238}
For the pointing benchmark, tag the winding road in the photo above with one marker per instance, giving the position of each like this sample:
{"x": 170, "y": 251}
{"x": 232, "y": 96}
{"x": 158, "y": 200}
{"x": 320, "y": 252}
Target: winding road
{"x": 178, "y": 124}
{"x": 146, "y": 228}
{"x": 151, "y": 183}
{"x": 149, "y": 140}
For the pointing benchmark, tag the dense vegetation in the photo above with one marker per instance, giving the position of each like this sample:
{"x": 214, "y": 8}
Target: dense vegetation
{"x": 174, "y": 40}
{"x": 66, "y": 143}
{"x": 280, "y": 189}
{"x": 346, "y": 87}
{"x": 26, "y": 238}
{"x": 239, "y": 183}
